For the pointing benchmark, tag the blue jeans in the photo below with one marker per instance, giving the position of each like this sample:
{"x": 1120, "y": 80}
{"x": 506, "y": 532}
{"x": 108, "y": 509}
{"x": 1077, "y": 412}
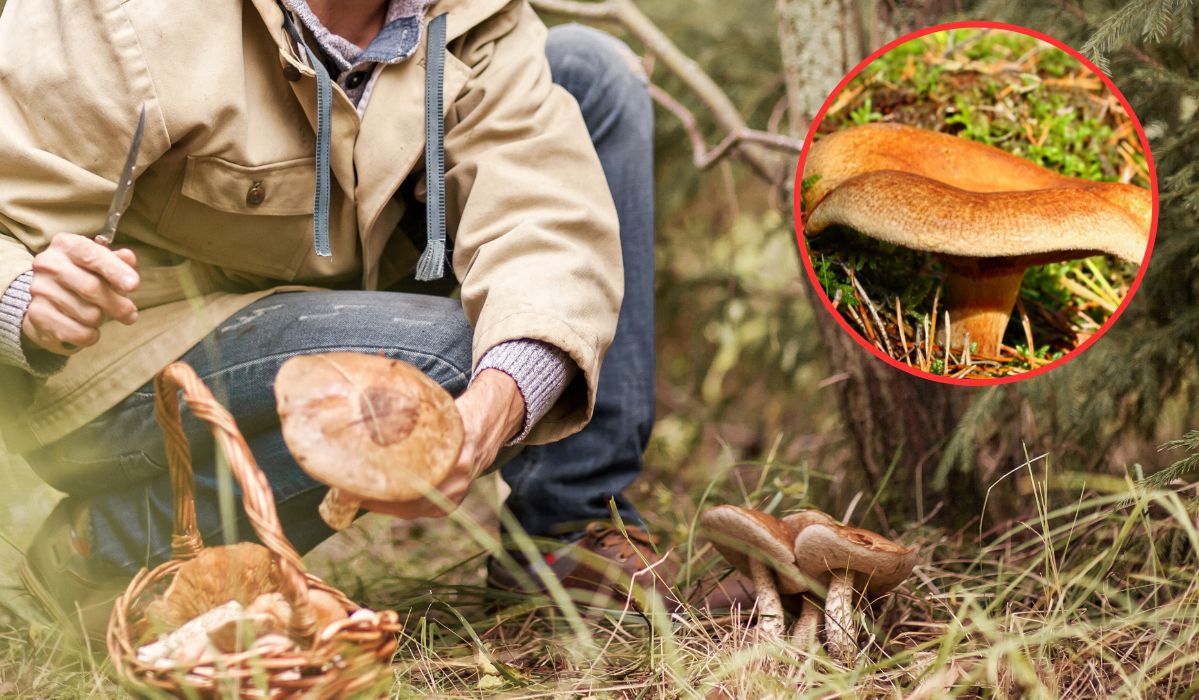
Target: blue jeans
{"x": 116, "y": 464}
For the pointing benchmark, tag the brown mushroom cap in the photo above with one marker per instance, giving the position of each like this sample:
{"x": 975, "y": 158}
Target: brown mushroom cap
{"x": 739, "y": 534}
{"x": 1035, "y": 226}
{"x": 798, "y": 520}
{"x": 955, "y": 161}
{"x": 367, "y": 424}
{"x": 237, "y": 572}
{"x": 878, "y": 563}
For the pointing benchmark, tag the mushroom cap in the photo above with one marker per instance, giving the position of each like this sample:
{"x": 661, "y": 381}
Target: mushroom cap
{"x": 217, "y": 575}
{"x": 953, "y": 160}
{"x": 367, "y": 424}
{"x": 740, "y": 533}
{"x": 325, "y": 608}
{"x": 798, "y": 520}
{"x": 878, "y": 563}
{"x": 923, "y": 214}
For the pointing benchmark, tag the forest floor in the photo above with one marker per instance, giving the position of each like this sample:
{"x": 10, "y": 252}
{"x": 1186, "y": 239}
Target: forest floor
{"x": 1021, "y": 95}
{"x": 1088, "y": 596}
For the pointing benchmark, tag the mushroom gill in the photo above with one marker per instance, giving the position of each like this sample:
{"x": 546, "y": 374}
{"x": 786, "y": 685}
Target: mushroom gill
{"x": 987, "y": 239}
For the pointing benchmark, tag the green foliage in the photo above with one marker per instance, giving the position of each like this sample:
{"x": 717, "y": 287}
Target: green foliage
{"x": 1182, "y": 468}
{"x": 1154, "y": 21}
{"x": 865, "y": 113}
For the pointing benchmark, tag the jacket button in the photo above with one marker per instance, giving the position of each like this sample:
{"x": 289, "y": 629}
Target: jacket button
{"x": 291, "y": 72}
{"x": 257, "y": 194}
{"x": 353, "y": 80}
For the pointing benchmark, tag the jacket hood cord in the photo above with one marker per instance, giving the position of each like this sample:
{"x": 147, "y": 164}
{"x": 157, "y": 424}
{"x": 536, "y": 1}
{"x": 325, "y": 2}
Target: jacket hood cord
{"x": 324, "y": 140}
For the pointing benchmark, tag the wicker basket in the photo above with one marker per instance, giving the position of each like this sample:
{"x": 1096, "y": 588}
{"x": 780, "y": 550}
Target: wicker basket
{"x": 347, "y": 659}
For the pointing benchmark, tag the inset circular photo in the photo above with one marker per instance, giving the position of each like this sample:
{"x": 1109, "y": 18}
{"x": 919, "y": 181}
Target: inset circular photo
{"x": 976, "y": 203}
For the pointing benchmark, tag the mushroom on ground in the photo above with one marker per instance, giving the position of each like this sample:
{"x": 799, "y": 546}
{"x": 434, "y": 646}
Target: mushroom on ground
{"x": 988, "y": 214}
{"x": 807, "y": 626}
{"x": 848, "y": 560}
{"x": 761, "y": 547}
{"x": 368, "y": 426}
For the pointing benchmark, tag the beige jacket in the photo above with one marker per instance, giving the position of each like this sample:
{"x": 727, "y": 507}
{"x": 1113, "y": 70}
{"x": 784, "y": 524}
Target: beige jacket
{"x": 535, "y": 234}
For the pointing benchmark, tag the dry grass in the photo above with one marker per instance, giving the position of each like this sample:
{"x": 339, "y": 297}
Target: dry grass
{"x": 918, "y": 339}
{"x": 1087, "y": 597}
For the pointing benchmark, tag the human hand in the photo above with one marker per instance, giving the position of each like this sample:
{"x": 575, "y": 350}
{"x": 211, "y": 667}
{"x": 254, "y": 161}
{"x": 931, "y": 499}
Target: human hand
{"x": 78, "y": 284}
{"x": 493, "y": 411}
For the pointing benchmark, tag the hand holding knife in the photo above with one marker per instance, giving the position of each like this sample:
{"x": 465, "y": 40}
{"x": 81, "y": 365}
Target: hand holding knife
{"x": 79, "y": 282}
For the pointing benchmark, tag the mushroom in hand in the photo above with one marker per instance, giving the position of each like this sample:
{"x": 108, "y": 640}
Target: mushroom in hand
{"x": 988, "y": 215}
{"x": 761, "y": 547}
{"x": 848, "y": 560}
{"x": 368, "y": 426}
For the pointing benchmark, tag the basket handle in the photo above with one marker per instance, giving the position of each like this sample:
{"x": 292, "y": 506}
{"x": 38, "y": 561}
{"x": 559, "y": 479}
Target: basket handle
{"x": 258, "y": 501}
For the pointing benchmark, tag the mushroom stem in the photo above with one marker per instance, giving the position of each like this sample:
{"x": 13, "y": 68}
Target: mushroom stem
{"x": 980, "y": 305}
{"x": 338, "y": 509}
{"x": 803, "y": 632}
{"x": 840, "y": 628}
{"x": 770, "y": 606}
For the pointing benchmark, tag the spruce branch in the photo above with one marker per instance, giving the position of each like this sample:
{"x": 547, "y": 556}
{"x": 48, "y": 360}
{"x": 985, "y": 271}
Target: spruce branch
{"x": 1180, "y": 469}
{"x": 1148, "y": 19}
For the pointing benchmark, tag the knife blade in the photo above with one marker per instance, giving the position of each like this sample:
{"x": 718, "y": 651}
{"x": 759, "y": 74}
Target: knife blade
{"x": 124, "y": 194}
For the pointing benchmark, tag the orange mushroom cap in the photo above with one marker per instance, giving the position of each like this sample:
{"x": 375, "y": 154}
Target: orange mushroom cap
{"x": 959, "y": 162}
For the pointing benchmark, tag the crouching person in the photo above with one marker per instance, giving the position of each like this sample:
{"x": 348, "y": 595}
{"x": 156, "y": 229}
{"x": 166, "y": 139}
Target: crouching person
{"x": 279, "y": 210}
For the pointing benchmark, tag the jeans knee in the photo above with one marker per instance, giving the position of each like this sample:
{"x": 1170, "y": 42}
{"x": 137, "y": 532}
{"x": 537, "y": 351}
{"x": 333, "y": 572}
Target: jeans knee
{"x": 587, "y": 61}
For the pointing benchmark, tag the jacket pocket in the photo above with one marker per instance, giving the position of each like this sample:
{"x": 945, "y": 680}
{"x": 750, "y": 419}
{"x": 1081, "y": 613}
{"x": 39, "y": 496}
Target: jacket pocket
{"x": 251, "y": 219}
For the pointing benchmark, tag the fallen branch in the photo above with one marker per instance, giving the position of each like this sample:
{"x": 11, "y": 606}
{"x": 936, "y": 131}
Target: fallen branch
{"x": 754, "y": 147}
{"x": 703, "y": 156}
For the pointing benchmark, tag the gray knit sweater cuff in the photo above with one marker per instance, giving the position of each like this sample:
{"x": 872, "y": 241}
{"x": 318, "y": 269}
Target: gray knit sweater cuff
{"x": 13, "y": 305}
{"x": 540, "y": 370}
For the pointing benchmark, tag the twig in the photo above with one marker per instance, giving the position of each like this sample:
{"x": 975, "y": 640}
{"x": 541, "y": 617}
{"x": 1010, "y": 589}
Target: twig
{"x": 1027, "y": 324}
{"x": 882, "y": 330}
{"x": 586, "y": 10}
{"x": 704, "y": 157}
{"x": 945, "y": 369}
{"x": 726, "y": 115}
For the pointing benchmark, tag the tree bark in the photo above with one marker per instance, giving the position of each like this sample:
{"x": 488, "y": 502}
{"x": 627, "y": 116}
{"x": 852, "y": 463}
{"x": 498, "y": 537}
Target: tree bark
{"x": 890, "y": 417}
{"x": 820, "y": 42}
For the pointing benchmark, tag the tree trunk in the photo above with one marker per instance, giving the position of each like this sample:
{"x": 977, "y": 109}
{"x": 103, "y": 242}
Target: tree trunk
{"x": 820, "y": 42}
{"x": 890, "y": 417}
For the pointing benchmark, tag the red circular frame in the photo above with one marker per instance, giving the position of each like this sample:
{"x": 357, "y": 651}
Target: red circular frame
{"x": 806, "y": 256}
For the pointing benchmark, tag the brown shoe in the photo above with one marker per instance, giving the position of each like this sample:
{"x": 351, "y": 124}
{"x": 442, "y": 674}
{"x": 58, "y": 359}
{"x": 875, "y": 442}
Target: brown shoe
{"x": 606, "y": 569}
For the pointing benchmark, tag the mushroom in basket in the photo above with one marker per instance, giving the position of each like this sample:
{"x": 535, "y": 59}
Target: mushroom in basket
{"x": 368, "y": 426}
{"x": 223, "y": 600}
